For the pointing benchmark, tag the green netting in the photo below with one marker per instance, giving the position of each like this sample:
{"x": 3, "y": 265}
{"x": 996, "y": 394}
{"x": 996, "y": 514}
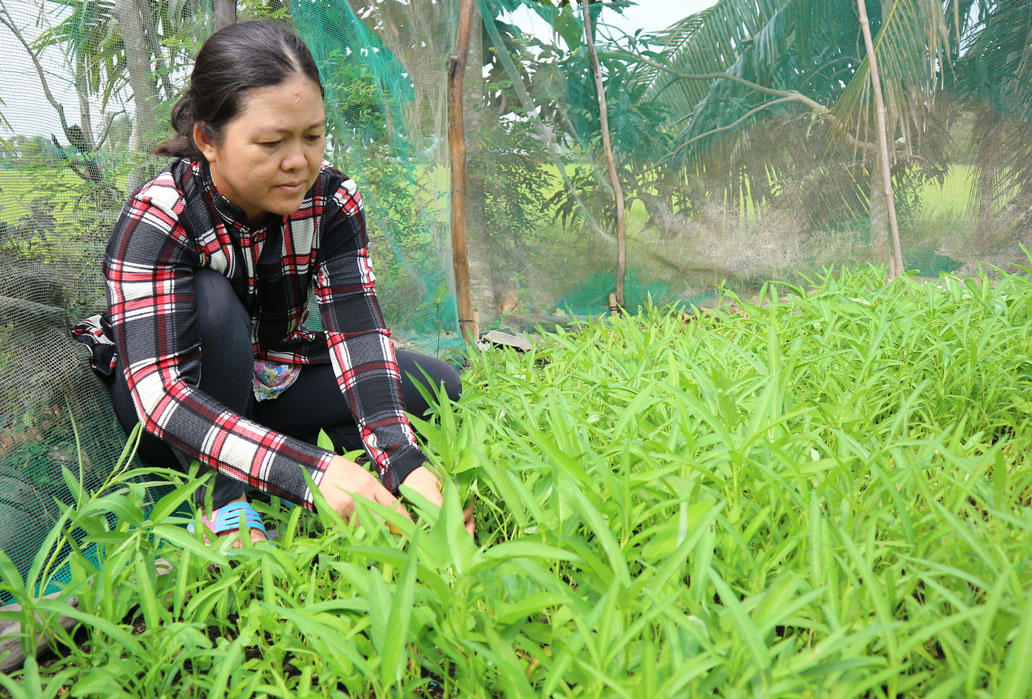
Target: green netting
{"x": 769, "y": 172}
{"x": 592, "y": 294}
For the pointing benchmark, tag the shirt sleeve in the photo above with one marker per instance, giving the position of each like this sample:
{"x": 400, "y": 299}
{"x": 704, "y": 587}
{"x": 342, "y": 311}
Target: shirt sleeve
{"x": 149, "y": 269}
{"x": 360, "y": 347}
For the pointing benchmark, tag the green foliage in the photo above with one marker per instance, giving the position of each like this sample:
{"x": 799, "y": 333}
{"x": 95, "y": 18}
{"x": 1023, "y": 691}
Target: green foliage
{"x": 829, "y": 490}
{"x": 365, "y": 94}
{"x": 750, "y": 144}
{"x": 401, "y": 231}
{"x": 436, "y": 305}
{"x": 992, "y": 78}
{"x": 507, "y": 205}
{"x": 56, "y": 217}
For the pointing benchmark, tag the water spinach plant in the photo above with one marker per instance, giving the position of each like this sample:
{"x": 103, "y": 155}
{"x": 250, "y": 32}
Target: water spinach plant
{"x": 826, "y": 494}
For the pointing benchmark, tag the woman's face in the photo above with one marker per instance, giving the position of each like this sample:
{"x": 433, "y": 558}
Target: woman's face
{"x": 270, "y": 153}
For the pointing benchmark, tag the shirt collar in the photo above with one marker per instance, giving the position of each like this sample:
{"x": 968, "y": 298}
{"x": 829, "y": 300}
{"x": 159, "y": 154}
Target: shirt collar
{"x": 229, "y": 212}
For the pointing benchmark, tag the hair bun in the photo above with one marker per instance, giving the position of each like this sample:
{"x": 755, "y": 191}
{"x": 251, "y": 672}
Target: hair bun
{"x": 183, "y": 122}
{"x": 183, "y": 116}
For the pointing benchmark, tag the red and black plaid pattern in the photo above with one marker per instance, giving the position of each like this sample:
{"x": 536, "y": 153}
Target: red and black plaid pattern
{"x": 178, "y": 223}
{"x": 94, "y": 333}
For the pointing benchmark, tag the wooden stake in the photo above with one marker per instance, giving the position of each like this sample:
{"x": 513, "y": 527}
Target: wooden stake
{"x": 614, "y": 307}
{"x": 896, "y": 263}
{"x": 457, "y": 147}
{"x": 614, "y": 180}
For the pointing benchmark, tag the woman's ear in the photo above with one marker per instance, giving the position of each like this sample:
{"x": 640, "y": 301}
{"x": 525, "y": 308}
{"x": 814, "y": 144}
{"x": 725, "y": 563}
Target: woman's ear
{"x": 204, "y": 142}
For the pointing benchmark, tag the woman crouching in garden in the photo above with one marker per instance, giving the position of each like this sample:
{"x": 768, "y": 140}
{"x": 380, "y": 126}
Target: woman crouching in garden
{"x": 208, "y": 273}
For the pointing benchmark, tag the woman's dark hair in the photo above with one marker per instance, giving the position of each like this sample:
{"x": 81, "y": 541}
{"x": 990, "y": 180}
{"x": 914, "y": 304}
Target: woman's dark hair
{"x": 233, "y": 61}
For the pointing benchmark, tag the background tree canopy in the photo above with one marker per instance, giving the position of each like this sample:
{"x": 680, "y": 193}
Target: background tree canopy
{"x": 744, "y": 136}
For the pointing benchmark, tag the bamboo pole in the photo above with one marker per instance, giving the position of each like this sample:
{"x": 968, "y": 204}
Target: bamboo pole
{"x": 896, "y": 264}
{"x": 614, "y": 180}
{"x": 457, "y": 147}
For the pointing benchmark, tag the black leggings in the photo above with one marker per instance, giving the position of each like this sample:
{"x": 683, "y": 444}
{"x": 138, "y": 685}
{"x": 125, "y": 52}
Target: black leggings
{"x": 314, "y": 402}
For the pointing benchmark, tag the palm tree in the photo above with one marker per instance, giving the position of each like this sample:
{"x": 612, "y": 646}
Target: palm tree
{"x": 798, "y": 68}
{"x": 993, "y": 81}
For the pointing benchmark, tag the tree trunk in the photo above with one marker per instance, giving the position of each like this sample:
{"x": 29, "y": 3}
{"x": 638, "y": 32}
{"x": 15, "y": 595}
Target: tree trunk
{"x": 881, "y": 236}
{"x": 985, "y": 165}
{"x": 138, "y": 62}
{"x": 85, "y": 116}
{"x": 457, "y": 146}
{"x": 986, "y": 209}
{"x": 487, "y": 281}
{"x": 614, "y": 180}
{"x": 225, "y": 13}
{"x": 896, "y": 264}
{"x": 155, "y": 49}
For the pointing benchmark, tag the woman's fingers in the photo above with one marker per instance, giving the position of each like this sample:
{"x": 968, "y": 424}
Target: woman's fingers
{"x": 426, "y": 484}
{"x": 467, "y": 516}
{"x": 345, "y": 479}
{"x": 385, "y": 498}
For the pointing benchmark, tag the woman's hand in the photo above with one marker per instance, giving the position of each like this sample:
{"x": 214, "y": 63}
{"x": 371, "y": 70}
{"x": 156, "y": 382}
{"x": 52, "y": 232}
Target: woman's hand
{"x": 344, "y": 479}
{"x": 424, "y": 482}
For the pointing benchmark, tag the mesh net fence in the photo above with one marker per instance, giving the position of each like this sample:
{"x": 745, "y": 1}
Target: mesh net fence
{"x": 744, "y": 136}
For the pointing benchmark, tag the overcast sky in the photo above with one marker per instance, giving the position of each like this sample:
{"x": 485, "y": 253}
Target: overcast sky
{"x": 649, "y": 15}
{"x": 26, "y": 108}
{"x": 24, "y": 104}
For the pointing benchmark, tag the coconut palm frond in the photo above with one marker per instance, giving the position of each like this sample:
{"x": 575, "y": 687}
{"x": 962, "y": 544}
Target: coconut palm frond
{"x": 912, "y": 44}
{"x": 707, "y": 42}
{"x": 803, "y": 45}
{"x": 995, "y": 77}
{"x": 809, "y": 47}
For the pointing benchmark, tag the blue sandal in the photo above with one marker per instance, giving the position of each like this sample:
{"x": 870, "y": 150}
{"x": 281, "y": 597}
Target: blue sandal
{"x": 227, "y": 519}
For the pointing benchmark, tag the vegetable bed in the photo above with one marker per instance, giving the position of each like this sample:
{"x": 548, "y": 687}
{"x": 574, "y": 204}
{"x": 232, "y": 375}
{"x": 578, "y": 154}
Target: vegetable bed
{"x": 824, "y": 494}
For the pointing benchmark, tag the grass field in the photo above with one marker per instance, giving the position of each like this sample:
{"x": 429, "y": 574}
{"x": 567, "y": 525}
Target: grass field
{"x": 18, "y": 187}
{"x": 828, "y": 495}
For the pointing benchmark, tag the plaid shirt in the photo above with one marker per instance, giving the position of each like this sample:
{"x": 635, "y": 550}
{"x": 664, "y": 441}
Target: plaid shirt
{"x": 178, "y": 222}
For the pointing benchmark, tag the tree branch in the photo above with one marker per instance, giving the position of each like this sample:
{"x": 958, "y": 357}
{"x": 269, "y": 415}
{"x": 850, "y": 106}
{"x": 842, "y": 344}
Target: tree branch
{"x": 107, "y": 128}
{"x": 8, "y": 21}
{"x": 785, "y": 95}
{"x": 77, "y": 171}
{"x": 81, "y": 91}
{"x": 726, "y": 127}
{"x": 4, "y": 122}
{"x": 85, "y": 117}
